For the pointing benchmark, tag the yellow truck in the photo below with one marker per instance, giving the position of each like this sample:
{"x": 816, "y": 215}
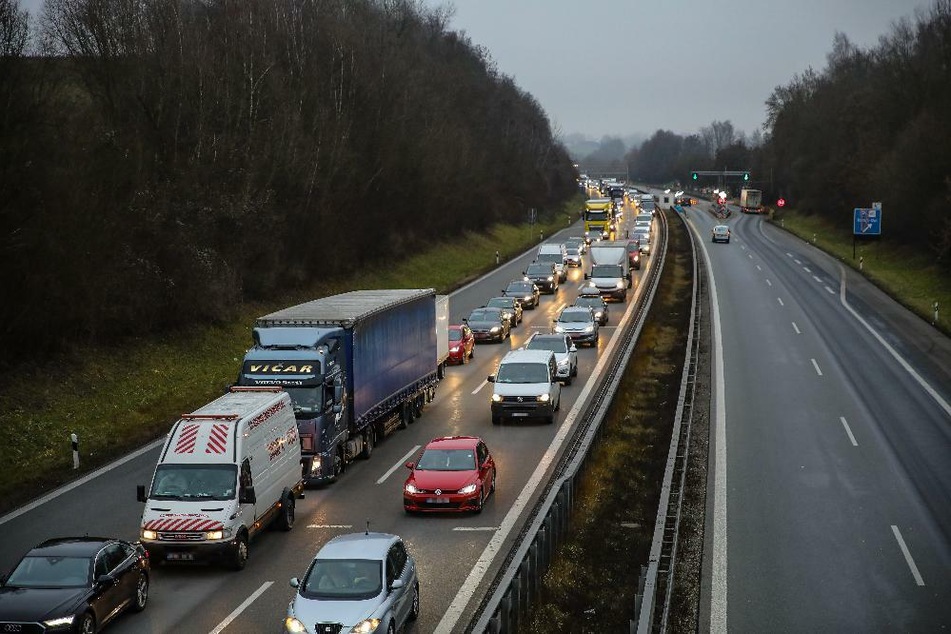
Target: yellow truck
{"x": 598, "y": 219}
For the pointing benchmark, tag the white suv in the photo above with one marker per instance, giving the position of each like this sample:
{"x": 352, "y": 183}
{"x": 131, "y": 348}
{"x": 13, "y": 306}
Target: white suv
{"x": 526, "y": 386}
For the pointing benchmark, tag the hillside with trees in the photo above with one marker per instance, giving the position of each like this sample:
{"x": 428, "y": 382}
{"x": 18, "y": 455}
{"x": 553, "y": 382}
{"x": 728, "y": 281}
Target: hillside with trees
{"x": 162, "y": 162}
{"x": 873, "y": 125}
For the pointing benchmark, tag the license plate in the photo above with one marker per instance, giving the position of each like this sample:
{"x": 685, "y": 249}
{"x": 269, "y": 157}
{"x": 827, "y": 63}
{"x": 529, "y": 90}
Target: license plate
{"x": 179, "y": 556}
{"x": 438, "y": 500}
{"x": 516, "y": 414}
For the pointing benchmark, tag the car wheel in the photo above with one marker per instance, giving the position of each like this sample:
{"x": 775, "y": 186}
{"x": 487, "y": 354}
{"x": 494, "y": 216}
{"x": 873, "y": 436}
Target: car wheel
{"x": 549, "y": 419}
{"x": 574, "y": 370}
{"x": 141, "y": 593}
{"x": 87, "y": 624}
{"x": 239, "y": 556}
{"x": 285, "y": 521}
{"x": 568, "y": 380}
{"x": 367, "y": 444}
{"x": 478, "y": 508}
{"x": 492, "y": 487}
{"x": 414, "y": 610}
{"x": 558, "y": 403}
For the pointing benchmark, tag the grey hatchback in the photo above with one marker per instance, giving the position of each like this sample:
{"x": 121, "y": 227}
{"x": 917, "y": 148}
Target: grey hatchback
{"x": 359, "y": 582}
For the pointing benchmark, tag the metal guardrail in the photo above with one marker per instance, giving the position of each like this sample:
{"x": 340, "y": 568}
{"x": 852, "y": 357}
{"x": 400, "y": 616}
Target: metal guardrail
{"x": 657, "y": 578}
{"x": 518, "y": 583}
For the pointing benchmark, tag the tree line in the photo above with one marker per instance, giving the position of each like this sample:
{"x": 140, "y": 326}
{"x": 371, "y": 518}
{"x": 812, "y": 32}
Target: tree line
{"x": 873, "y": 125}
{"x": 162, "y": 162}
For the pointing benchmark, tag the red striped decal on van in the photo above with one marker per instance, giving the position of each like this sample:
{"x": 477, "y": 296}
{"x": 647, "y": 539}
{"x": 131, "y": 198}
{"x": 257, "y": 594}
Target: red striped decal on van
{"x": 183, "y": 524}
{"x": 186, "y": 439}
{"x": 217, "y": 439}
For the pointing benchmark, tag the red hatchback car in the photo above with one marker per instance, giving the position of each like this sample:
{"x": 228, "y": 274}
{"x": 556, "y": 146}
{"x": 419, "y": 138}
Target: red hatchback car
{"x": 461, "y": 344}
{"x": 454, "y": 473}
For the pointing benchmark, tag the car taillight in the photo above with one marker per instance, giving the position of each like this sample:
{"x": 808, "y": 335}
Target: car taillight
{"x": 307, "y": 442}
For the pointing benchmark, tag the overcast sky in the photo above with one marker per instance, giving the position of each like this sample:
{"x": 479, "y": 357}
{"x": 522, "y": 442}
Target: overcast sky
{"x": 616, "y": 67}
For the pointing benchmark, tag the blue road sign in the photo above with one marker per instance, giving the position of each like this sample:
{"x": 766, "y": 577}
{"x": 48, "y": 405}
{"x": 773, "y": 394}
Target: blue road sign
{"x": 867, "y": 222}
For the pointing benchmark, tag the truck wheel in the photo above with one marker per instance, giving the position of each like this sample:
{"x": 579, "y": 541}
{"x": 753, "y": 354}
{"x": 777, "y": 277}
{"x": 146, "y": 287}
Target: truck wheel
{"x": 285, "y": 519}
{"x": 406, "y": 416}
{"x": 418, "y": 406}
{"x": 441, "y": 371}
{"x": 239, "y": 556}
{"x": 367, "y": 444}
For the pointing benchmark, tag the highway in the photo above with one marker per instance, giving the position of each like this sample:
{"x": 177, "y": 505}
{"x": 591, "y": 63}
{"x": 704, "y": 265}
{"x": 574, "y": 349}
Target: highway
{"x": 829, "y": 498}
{"x": 456, "y": 555}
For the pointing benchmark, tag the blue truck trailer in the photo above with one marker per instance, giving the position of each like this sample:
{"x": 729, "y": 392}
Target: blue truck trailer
{"x": 356, "y": 365}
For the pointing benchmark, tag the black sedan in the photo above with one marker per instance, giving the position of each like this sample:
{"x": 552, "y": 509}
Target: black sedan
{"x": 525, "y": 291}
{"x": 74, "y": 584}
{"x": 511, "y": 308}
{"x": 488, "y": 324}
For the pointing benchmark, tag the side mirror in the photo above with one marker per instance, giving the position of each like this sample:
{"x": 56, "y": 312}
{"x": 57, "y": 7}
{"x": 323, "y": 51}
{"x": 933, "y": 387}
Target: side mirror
{"x": 140, "y": 493}
{"x": 246, "y": 496}
{"x": 410, "y": 465}
{"x": 295, "y": 582}
{"x": 105, "y": 580}
{"x": 397, "y": 584}
{"x": 490, "y": 378}
{"x": 587, "y": 276}
{"x": 573, "y": 348}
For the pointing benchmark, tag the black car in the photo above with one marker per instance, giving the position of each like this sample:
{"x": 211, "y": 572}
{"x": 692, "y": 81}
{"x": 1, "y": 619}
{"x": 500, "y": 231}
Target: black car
{"x": 74, "y": 584}
{"x": 488, "y": 324}
{"x": 544, "y": 275}
{"x": 524, "y": 291}
{"x": 511, "y": 308}
{"x": 596, "y": 303}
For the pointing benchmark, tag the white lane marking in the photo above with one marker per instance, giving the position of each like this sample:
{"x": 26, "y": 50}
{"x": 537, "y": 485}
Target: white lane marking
{"x": 789, "y": 254}
{"x": 818, "y": 279}
{"x": 848, "y": 430}
{"x": 768, "y": 283}
{"x": 83, "y": 480}
{"x": 830, "y": 290}
{"x": 907, "y": 366}
{"x": 806, "y": 269}
{"x": 759, "y": 268}
{"x": 399, "y": 463}
{"x": 458, "y": 605}
{"x": 330, "y": 526}
{"x": 796, "y": 328}
{"x": 816, "y": 366}
{"x": 780, "y": 300}
{"x": 796, "y": 261}
{"x": 481, "y": 385}
{"x": 908, "y": 558}
{"x": 749, "y": 255}
{"x": 476, "y": 528}
{"x": 241, "y": 608}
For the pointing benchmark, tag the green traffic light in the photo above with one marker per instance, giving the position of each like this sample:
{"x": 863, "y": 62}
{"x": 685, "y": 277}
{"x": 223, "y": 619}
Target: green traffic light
{"x": 746, "y": 176}
{"x": 694, "y": 175}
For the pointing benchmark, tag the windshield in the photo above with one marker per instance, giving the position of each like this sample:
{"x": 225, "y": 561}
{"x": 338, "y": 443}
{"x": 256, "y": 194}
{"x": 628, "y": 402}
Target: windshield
{"x": 606, "y": 270}
{"x": 455, "y": 334}
{"x": 447, "y": 460}
{"x": 51, "y": 572}
{"x": 550, "y": 257}
{"x": 574, "y": 316}
{"x": 573, "y": 242}
{"x": 647, "y": 204}
{"x": 484, "y": 315}
{"x": 518, "y": 289}
{"x": 343, "y": 579}
{"x": 642, "y": 237}
{"x": 307, "y": 400}
{"x": 522, "y": 373}
{"x": 592, "y": 302}
{"x": 595, "y": 214}
{"x": 573, "y": 251}
{"x": 500, "y": 302}
{"x": 555, "y": 344}
{"x": 538, "y": 269}
{"x": 194, "y": 481}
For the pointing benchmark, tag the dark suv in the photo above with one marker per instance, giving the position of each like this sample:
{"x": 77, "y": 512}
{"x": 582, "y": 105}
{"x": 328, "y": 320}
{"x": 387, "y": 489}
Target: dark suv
{"x": 544, "y": 275}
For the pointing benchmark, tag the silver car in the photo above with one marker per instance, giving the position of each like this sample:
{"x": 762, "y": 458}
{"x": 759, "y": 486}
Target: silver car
{"x": 579, "y": 323}
{"x": 360, "y": 583}
{"x": 566, "y": 353}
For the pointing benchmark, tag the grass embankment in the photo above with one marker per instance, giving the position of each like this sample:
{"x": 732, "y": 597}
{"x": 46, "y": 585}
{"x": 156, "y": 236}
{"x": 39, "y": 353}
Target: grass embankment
{"x": 119, "y": 398}
{"x": 911, "y": 277}
{"x": 591, "y": 584}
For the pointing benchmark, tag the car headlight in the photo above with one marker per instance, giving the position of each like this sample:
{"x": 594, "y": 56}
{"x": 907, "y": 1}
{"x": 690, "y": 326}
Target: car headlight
{"x": 410, "y": 488}
{"x": 599, "y": 314}
{"x": 469, "y": 488}
{"x": 550, "y": 278}
{"x": 315, "y": 465}
{"x": 496, "y": 398}
{"x": 365, "y": 626}
{"x": 454, "y": 349}
{"x": 147, "y": 534}
{"x": 620, "y": 284}
{"x": 222, "y": 534}
{"x": 563, "y": 363}
{"x": 291, "y": 624}
{"x": 496, "y": 328}
{"x": 63, "y": 621}
{"x": 528, "y": 298}
{"x": 589, "y": 329}
{"x": 544, "y": 398}
{"x": 559, "y": 328}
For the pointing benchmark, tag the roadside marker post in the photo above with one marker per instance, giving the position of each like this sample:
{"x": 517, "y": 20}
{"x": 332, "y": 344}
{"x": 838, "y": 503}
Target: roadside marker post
{"x": 74, "y": 439}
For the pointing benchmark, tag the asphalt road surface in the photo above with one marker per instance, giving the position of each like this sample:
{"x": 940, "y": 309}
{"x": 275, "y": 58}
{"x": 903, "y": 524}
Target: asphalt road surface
{"x": 447, "y": 549}
{"x": 829, "y": 505}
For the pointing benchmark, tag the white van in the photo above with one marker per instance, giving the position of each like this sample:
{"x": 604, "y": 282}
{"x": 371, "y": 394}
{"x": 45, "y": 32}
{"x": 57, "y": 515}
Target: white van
{"x": 227, "y": 471}
{"x": 526, "y": 386}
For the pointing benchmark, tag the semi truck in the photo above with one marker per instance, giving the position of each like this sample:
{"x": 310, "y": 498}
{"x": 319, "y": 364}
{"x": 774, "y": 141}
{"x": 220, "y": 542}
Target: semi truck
{"x": 357, "y": 366}
{"x": 610, "y": 269}
{"x": 751, "y": 201}
{"x": 598, "y": 219}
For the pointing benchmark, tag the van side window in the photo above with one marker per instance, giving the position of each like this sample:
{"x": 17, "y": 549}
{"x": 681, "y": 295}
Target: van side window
{"x": 246, "y": 473}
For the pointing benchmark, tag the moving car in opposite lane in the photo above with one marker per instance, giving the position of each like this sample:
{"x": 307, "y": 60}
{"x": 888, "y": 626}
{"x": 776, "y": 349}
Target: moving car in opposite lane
{"x": 720, "y": 233}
